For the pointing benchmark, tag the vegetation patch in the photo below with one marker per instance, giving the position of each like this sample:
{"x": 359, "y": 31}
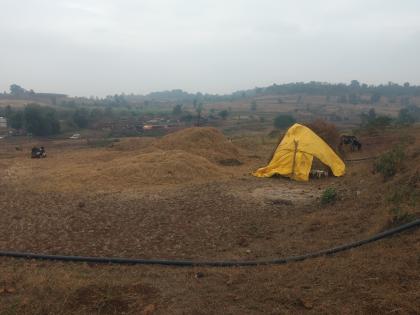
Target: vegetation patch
{"x": 389, "y": 163}
{"x": 399, "y": 216}
{"x": 283, "y": 121}
{"x": 329, "y": 196}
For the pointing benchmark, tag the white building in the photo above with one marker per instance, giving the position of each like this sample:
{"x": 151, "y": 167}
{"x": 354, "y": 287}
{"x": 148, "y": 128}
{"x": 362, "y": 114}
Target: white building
{"x": 3, "y": 122}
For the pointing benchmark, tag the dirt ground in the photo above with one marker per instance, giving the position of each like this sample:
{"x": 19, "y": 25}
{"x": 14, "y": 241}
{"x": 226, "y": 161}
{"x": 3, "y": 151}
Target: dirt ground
{"x": 177, "y": 197}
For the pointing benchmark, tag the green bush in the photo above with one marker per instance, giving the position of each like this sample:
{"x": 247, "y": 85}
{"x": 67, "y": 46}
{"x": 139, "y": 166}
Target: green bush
{"x": 283, "y": 121}
{"x": 329, "y": 195}
{"x": 389, "y": 163}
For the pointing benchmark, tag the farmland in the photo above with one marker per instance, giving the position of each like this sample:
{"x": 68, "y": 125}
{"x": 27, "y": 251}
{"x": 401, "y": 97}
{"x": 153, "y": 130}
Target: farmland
{"x": 190, "y": 195}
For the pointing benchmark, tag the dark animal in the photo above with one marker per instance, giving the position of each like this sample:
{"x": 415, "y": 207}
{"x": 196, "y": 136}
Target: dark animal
{"x": 37, "y": 153}
{"x": 354, "y": 143}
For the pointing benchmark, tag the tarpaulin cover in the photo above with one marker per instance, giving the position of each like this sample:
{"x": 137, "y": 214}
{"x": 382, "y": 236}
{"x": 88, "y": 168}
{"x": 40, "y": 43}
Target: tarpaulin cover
{"x": 294, "y": 155}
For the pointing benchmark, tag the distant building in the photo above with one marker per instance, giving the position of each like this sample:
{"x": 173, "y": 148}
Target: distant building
{"x": 3, "y": 122}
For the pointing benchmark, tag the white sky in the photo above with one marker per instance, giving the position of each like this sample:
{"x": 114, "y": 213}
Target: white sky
{"x": 101, "y": 47}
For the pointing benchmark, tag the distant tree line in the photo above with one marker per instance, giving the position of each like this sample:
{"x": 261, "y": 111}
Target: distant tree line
{"x": 406, "y": 116}
{"x": 38, "y": 120}
{"x": 354, "y": 88}
{"x": 345, "y": 93}
{"x": 353, "y": 93}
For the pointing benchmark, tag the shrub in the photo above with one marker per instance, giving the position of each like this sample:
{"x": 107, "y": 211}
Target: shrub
{"x": 177, "y": 110}
{"x": 389, "y": 163}
{"x": 404, "y": 193}
{"x": 408, "y": 115}
{"x": 283, "y": 121}
{"x": 379, "y": 122}
{"x": 398, "y": 216}
{"x": 327, "y": 131}
{"x": 329, "y": 195}
{"x": 187, "y": 118}
{"x": 223, "y": 114}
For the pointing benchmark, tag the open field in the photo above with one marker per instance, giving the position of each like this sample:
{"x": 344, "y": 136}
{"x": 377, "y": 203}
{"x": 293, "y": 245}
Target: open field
{"x": 190, "y": 195}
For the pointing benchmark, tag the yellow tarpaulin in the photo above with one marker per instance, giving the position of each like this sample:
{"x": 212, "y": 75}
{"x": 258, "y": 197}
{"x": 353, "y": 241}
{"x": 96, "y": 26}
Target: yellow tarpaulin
{"x": 294, "y": 155}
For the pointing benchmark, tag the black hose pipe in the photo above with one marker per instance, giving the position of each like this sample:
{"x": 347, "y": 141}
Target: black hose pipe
{"x": 221, "y": 263}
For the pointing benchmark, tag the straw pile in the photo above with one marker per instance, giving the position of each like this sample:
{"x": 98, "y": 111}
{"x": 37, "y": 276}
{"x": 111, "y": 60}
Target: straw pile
{"x": 206, "y": 142}
{"x": 189, "y": 155}
{"x": 160, "y": 167}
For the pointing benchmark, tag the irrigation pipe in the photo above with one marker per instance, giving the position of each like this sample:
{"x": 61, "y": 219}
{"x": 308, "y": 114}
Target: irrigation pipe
{"x": 362, "y": 159}
{"x": 221, "y": 263}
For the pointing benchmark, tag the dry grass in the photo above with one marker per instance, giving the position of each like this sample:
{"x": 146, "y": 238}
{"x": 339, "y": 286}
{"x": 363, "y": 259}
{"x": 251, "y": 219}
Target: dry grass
{"x": 213, "y": 212}
{"x": 327, "y": 131}
{"x": 194, "y": 154}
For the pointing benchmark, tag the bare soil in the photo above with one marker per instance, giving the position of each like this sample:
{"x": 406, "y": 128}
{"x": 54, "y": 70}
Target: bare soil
{"x": 121, "y": 201}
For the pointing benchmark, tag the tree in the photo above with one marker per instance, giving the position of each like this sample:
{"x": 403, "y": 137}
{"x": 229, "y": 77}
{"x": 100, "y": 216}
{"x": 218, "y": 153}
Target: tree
{"x": 368, "y": 118}
{"x": 199, "y": 109}
{"x": 81, "y": 117}
{"x": 378, "y": 122}
{"x": 41, "y": 121}
{"x": 382, "y": 121}
{"x": 17, "y": 90}
{"x": 177, "y": 110}
{"x": 354, "y": 84}
{"x": 409, "y": 115}
{"x": 96, "y": 113}
{"x": 283, "y": 121}
{"x": 223, "y": 114}
{"x": 404, "y": 117}
{"x": 354, "y": 98}
{"x": 16, "y": 120}
{"x": 187, "y": 118}
{"x": 8, "y": 111}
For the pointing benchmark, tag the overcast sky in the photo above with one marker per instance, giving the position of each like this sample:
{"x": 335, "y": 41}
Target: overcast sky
{"x": 101, "y": 47}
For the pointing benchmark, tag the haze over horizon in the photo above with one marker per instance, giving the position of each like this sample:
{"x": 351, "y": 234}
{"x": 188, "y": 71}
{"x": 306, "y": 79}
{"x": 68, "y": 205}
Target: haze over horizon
{"x": 93, "y": 47}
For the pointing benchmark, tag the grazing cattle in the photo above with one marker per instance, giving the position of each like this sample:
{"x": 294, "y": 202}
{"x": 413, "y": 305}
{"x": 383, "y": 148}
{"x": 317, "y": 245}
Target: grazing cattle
{"x": 354, "y": 143}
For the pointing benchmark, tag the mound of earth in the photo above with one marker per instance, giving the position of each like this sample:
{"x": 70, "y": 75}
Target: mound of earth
{"x": 204, "y": 141}
{"x": 190, "y": 155}
{"x": 131, "y": 144}
{"x": 138, "y": 171}
{"x": 162, "y": 167}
